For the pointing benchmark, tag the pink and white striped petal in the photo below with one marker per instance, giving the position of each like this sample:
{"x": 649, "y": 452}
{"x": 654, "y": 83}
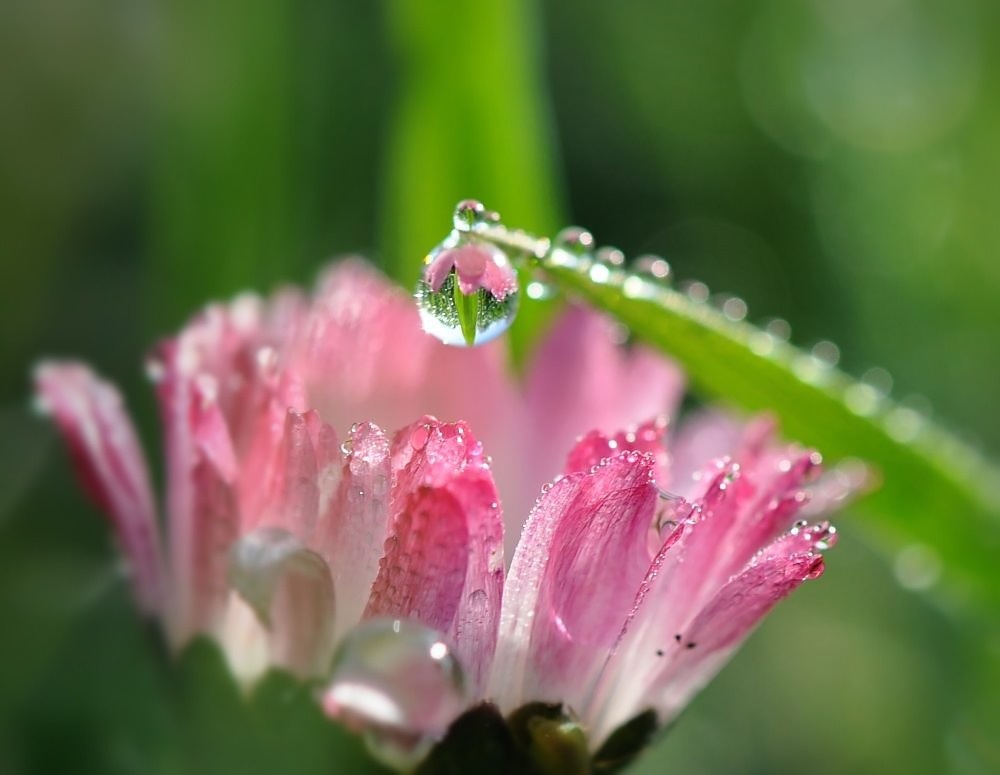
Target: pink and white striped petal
{"x": 354, "y": 522}
{"x": 579, "y": 364}
{"x": 111, "y": 466}
{"x": 573, "y": 579}
{"x": 681, "y": 631}
{"x": 201, "y": 501}
{"x": 443, "y": 562}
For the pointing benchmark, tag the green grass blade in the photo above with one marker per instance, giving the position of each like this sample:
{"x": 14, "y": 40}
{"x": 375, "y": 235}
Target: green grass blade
{"x": 934, "y": 490}
{"x": 470, "y": 119}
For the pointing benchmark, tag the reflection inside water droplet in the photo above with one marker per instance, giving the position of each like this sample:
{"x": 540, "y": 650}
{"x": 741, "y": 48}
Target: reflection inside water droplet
{"x": 440, "y": 315}
{"x": 396, "y": 681}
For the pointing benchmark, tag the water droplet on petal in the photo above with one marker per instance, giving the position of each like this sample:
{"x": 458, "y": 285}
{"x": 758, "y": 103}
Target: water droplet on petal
{"x": 398, "y": 682}
{"x": 420, "y": 436}
{"x": 816, "y": 572}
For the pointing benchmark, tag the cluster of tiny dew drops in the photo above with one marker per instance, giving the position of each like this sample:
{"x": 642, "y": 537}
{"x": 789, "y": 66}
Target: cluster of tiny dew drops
{"x": 462, "y": 319}
{"x": 574, "y": 262}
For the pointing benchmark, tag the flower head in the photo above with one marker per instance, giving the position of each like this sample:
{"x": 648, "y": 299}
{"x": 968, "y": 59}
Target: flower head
{"x": 328, "y": 464}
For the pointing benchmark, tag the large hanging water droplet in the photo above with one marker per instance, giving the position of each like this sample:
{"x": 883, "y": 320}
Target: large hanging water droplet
{"x": 462, "y": 319}
{"x": 398, "y": 683}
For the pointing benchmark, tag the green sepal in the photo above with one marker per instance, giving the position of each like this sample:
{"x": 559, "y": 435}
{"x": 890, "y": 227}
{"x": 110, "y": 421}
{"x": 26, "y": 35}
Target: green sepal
{"x": 479, "y": 741}
{"x": 551, "y": 738}
{"x": 626, "y": 742}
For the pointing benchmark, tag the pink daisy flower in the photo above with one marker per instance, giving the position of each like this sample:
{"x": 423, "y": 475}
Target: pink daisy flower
{"x": 336, "y": 476}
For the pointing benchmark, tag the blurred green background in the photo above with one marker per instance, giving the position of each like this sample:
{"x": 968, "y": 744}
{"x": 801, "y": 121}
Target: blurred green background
{"x": 833, "y": 163}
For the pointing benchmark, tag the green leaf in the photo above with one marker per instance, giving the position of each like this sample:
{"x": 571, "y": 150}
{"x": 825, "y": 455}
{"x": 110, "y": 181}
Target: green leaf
{"x": 627, "y": 742}
{"x": 934, "y": 490}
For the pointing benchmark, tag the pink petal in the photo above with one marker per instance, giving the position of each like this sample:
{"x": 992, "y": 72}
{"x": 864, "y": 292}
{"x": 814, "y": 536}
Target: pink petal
{"x": 717, "y": 544}
{"x": 652, "y": 668}
{"x": 838, "y": 486}
{"x": 362, "y": 353}
{"x": 711, "y": 434}
{"x": 497, "y": 276}
{"x": 443, "y": 562}
{"x": 439, "y": 268}
{"x": 422, "y": 571}
{"x": 741, "y": 510}
{"x": 290, "y": 589}
{"x": 581, "y": 379}
{"x": 329, "y": 468}
{"x": 398, "y": 373}
{"x": 477, "y": 265}
{"x": 354, "y": 525}
{"x": 111, "y": 465}
{"x": 724, "y": 624}
{"x": 210, "y": 431}
{"x": 493, "y": 409}
{"x": 574, "y": 576}
{"x": 592, "y": 448}
{"x": 202, "y": 511}
{"x": 294, "y": 498}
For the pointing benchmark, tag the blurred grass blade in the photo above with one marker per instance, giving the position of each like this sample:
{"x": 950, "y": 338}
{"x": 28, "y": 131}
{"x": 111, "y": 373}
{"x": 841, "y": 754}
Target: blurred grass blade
{"x": 935, "y": 491}
{"x": 221, "y": 214}
{"x": 470, "y": 121}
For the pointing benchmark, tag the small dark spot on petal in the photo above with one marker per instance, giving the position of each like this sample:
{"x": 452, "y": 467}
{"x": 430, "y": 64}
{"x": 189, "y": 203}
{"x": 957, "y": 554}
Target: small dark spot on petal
{"x": 659, "y": 652}
{"x": 677, "y": 637}
{"x": 691, "y": 645}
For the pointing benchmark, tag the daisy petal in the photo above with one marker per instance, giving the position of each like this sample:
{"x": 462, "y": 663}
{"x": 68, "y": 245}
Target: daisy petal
{"x": 573, "y": 578}
{"x": 111, "y": 465}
